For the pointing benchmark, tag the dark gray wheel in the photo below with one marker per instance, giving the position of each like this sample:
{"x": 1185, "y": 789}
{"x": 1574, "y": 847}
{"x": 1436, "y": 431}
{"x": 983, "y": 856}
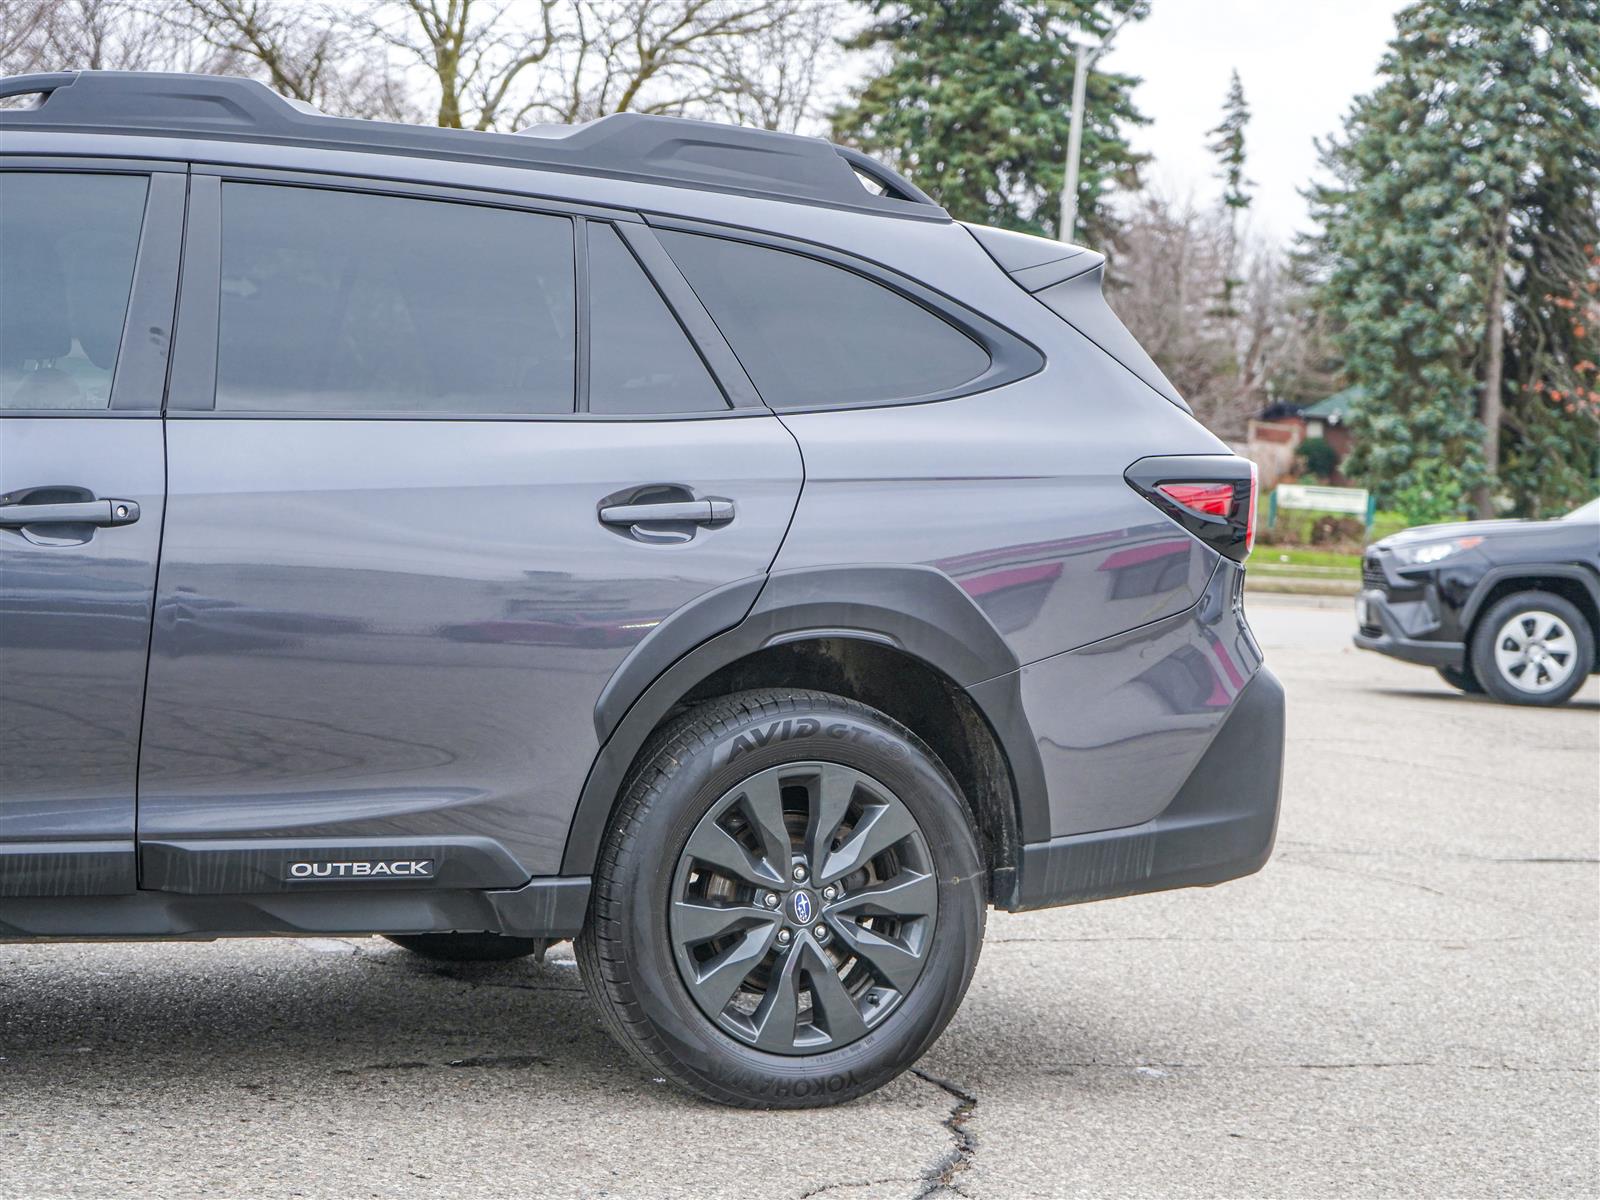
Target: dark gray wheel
{"x": 803, "y": 907}
{"x": 1532, "y": 648}
{"x": 789, "y": 903}
{"x": 469, "y": 947}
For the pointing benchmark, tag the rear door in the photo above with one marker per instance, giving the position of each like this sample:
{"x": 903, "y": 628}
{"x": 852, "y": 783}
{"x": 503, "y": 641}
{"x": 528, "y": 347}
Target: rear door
{"x": 88, "y": 275}
{"x": 437, "y": 464}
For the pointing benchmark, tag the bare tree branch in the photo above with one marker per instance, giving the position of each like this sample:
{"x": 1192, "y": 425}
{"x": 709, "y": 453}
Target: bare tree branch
{"x": 488, "y": 64}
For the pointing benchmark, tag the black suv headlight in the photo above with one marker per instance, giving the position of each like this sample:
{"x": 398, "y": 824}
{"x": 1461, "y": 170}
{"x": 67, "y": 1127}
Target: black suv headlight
{"x": 1423, "y": 554}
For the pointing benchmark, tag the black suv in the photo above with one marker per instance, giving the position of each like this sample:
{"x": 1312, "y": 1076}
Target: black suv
{"x": 1507, "y": 608}
{"x": 684, "y": 539}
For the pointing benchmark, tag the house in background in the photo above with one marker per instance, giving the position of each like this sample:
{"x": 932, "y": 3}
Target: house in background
{"x": 1274, "y": 435}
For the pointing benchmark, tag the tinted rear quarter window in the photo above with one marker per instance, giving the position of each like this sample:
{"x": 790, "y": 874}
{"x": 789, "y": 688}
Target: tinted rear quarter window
{"x": 641, "y": 361}
{"x": 811, "y": 334}
{"x": 348, "y": 302}
{"x": 67, "y": 249}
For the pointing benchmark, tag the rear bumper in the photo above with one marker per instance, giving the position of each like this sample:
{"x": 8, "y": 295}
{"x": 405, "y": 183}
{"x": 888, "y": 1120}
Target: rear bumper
{"x": 1220, "y": 826}
{"x": 1381, "y": 629}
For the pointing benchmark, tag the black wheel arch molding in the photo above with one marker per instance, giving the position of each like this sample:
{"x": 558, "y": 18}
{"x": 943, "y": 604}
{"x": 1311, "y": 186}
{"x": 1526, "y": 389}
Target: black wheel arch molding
{"x": 917, "y": 611}
{"x": 1533, "y": 573}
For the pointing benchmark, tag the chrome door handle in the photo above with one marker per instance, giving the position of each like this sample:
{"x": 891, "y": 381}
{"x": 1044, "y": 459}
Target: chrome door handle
{"x": 700, "y": 512}
{"x": 81, "y": 512}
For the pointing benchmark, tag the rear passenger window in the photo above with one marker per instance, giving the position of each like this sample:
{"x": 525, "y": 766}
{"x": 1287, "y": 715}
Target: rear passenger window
{"x": 813, "y": 335}
{"x": 640, "y": 359}
{"x": 341, "y": 302}
{"x": 67, "y": 248}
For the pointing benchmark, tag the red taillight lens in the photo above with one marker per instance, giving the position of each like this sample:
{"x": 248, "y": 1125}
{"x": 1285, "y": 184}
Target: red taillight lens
{"x": 1213, "y": 499}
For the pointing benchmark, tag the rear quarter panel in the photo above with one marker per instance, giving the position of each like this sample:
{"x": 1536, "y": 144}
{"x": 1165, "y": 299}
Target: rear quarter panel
{"x": 1016, "y": 493}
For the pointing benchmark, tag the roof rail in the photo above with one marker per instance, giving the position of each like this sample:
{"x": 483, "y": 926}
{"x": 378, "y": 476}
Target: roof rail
{"x": 631, "y": 146}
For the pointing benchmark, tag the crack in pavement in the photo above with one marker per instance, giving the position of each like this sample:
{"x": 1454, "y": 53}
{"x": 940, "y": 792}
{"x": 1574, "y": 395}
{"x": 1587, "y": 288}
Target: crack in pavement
{"x": 1461, "y": 855}
{"x": 1063, "y": 1068}
{"x": 1398, "y": 882}
{"x": 1295, "y": 860}
{"x": 504, "y": 1062}
{"x": 1252, "y": 941}
{"x": 856, "y": 1183}
{"x": 942, "y": 1175}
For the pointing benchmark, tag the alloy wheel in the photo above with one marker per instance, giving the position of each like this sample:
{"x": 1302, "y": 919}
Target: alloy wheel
{"x": 1535, "y": 651}
{"x": 803, "y": 907}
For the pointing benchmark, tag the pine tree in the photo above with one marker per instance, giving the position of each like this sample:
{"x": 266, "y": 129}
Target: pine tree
{"x": 975, "y": 103}
{"x": 1457, "y": 253}
{"x": 1228, "y": 146}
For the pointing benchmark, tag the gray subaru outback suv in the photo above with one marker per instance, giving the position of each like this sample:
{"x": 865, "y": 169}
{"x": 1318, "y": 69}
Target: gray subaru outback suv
{"x": 683, "y": 539}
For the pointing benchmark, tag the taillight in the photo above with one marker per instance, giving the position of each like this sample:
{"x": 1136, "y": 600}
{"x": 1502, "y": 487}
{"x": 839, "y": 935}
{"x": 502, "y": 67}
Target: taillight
{"x": 1213, "y": 496}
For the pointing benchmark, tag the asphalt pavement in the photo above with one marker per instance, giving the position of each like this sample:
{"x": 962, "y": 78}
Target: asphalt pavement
{"x": 1406, "y": 1001}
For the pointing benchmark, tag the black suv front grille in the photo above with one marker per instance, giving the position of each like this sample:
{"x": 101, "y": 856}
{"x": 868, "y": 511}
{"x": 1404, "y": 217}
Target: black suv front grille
{"x": 1372, "y": 576}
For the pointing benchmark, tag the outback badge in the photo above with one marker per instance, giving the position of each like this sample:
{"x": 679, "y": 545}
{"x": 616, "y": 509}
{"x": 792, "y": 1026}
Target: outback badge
{"x": 402, "y": 868}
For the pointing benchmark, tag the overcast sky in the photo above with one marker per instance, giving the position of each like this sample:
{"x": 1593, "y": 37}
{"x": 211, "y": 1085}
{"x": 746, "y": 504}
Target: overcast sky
{"x": 1301, "y": 62}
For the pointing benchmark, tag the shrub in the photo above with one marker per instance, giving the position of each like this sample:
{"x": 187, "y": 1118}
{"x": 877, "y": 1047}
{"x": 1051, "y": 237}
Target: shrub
{"x": 1317, "y": 457}
{"x": 1434, "y": 495}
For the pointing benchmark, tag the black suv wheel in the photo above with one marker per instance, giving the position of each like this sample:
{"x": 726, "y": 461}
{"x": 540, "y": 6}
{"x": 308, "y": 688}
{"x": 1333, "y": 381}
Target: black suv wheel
{"x": 1532, "y": 648}
{"x": 789, "y": 905}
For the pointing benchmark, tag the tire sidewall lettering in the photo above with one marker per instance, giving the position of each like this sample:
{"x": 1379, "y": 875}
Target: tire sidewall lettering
{"x": 762, "y": 735}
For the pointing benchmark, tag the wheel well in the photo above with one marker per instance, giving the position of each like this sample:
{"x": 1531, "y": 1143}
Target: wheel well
{"x": 921, "y": 698}
{"x": 1568, "y": 588}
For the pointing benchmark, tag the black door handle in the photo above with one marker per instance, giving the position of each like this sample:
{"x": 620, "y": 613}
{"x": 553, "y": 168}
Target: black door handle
{"x": 80, "y": 512}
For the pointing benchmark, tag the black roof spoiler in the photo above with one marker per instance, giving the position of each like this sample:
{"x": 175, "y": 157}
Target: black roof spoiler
{"x": 1068, "y": 280}
{"x": 630, "y": 146}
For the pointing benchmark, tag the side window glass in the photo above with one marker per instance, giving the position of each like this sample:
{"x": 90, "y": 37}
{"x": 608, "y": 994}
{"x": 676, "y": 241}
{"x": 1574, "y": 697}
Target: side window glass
{"x": 67, "y": 249}
{"x": 640, "y": 359}
{"x": 348, "y": 303}
{"x": 812, "y": 335}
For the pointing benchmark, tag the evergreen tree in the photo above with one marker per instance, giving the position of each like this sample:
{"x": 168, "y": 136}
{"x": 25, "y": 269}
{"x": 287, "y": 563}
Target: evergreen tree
{"x": 1228, "y": 146}
{"x": 1457, "y": 254}
{"x": 975, "y": 103}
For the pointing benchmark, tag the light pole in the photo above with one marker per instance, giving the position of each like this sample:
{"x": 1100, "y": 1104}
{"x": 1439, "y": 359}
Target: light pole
{"x": 1084, "y": 58}
{"x": 1082, "y": 62}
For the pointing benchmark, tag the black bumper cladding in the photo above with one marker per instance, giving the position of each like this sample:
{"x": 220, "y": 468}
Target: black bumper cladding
{"x": 1220, "y": 826}
{"x": 1380, "y": 628}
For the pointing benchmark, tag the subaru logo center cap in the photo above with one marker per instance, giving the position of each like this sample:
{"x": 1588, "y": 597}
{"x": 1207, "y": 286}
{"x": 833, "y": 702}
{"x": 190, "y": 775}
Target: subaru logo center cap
{"x": 801, "y": 905}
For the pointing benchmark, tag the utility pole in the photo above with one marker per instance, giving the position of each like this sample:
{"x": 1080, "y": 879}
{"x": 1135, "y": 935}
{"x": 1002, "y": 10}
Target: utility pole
{"x": 1069, "y": 194}
{"x": 1084, "y": 58}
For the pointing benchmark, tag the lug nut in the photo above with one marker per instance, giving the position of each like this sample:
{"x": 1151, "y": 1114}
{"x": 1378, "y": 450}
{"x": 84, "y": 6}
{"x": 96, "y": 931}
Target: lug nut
{"x": 799, "y": 874}
{"x": 830, "y": 892}
{"x": 820, "y": 932}
{"x": 770, "y": 899}
{"x": 783, "y": 937}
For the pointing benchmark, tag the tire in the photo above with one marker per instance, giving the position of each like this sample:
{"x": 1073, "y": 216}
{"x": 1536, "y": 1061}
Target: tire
{"x": 1462, "y": 679}
{"x": 1562, "y": 640}
{"x": 720, "y": 767}
{"x": 468, "y": 947}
